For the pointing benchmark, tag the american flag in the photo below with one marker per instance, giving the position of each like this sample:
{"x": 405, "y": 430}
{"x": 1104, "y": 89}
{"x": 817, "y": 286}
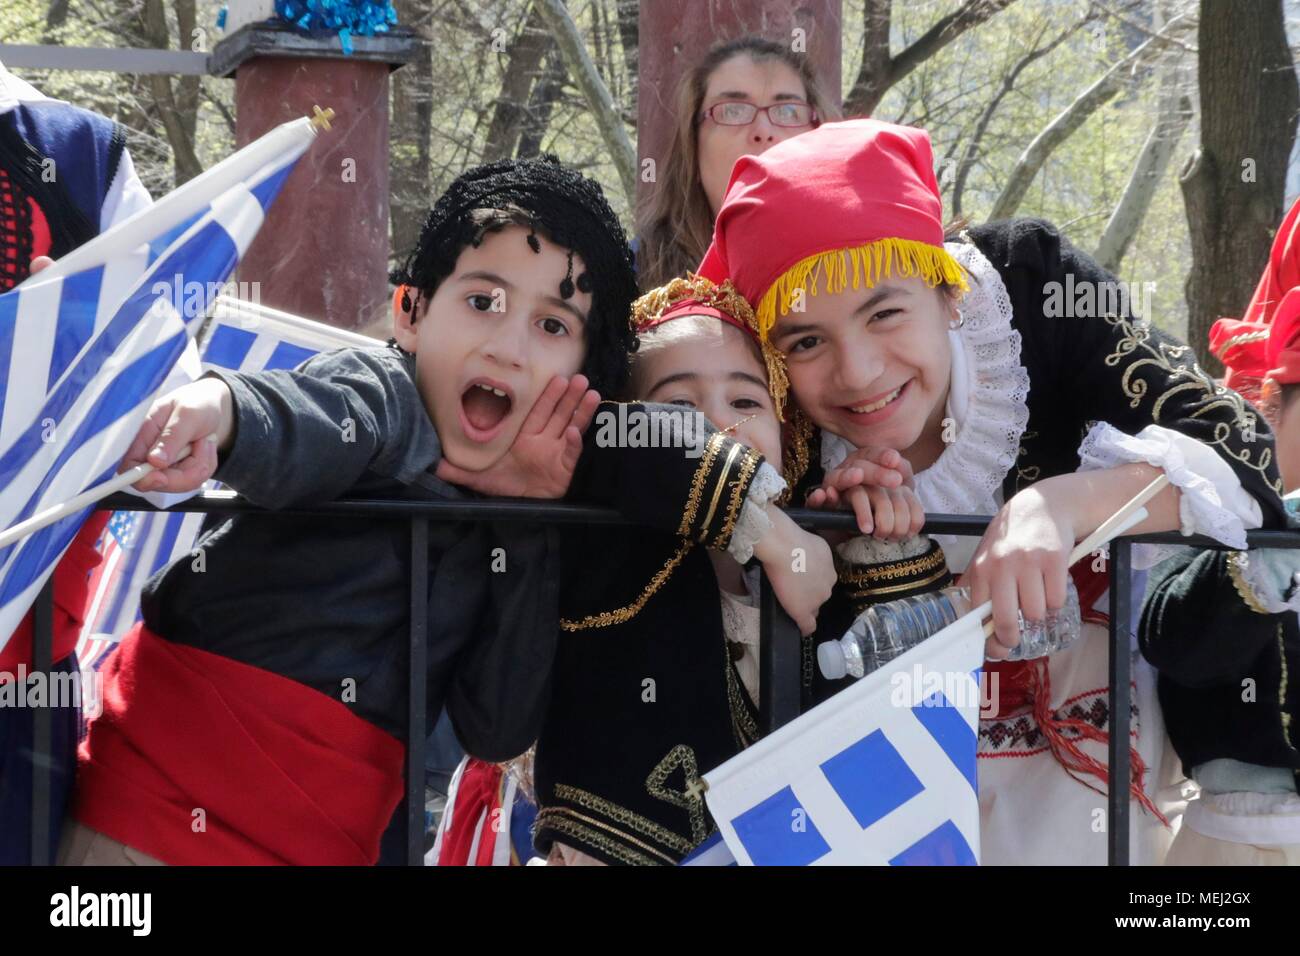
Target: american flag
{"x": 240, "y": 335}
{"x": 86, "y": 343}
{"x": 882, "y": 773}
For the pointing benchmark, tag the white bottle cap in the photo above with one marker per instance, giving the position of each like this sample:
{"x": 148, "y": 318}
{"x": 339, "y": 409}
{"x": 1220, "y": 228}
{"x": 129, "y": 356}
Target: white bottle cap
{"x": 830, "y": 658}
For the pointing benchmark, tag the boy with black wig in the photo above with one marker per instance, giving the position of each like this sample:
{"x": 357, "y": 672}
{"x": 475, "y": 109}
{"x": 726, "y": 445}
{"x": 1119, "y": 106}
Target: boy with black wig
{"x": 257, "y": 713}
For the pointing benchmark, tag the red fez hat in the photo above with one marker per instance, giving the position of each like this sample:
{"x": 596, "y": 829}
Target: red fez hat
{"x": 853, "y": 201}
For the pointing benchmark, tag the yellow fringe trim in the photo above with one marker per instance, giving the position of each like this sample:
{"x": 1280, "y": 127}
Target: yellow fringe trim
{"x": 870, "y": 263}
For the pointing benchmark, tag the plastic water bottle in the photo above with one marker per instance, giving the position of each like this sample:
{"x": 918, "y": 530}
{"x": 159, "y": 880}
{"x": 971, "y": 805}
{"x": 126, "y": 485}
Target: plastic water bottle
{"x": 886, "y": 631}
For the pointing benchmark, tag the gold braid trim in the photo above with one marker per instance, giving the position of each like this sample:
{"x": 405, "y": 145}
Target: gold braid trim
{"x": 1245, "y": 337}
{"x": 1164, "y": 356}
{"x": 697, "y": 483}
{"x": 693, "y": 803}
{"x": 1236, "y": 570}
{"x": 796, "y": 437}
{"x": 566, "y": 821}
{"x": 905, "y": 586}
{"x": 718, "y": 488}
{"x": 743, "y": 727}
{"x": 870, "y": 574}
{"x": 747, "y": 467}
{"x": 623, "y": 614}
{"x": 621, "y": 814}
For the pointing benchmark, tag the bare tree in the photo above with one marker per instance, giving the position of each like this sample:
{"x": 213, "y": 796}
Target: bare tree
{"x": 608, "y": 117}
{"x": 1173, "y": 115}
{"x": 411, "y": 128}
{"x": 523, "y": 66}
{"x": 880, "y": 69}
{"x": 1065, "y": 123}
{"x": 177, "y": 107}
{"x": 972, "y": 151}
{"x": 1234, "y": 185}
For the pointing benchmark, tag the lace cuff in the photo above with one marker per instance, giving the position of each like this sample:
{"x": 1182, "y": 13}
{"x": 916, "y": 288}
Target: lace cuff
{"x": 753, "y": 522}
{"x": 1212, "y": 501}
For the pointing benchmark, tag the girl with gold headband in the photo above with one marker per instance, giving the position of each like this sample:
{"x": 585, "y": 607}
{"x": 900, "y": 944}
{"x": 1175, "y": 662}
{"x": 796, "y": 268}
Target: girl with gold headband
{"x": 656, "y": 677}
{"x": 984, "y": 360}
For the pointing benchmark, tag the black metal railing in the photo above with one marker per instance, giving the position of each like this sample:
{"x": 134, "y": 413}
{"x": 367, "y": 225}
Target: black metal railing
{"x": 779, "y": 659}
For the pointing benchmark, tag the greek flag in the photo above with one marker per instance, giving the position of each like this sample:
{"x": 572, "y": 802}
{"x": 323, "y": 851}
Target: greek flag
{"x": 86, "y": 343}
{"x": 882, "y": 773}
{"x": 240, "y": 335}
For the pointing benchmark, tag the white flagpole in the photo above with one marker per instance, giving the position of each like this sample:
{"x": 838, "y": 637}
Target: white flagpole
{"x": 57, "y": 512}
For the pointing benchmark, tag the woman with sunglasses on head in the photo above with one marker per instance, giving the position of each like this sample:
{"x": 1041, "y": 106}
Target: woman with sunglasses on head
{"x": 742, "y": 98}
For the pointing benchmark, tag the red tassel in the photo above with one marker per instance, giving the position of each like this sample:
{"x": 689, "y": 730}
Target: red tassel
{"x": 1068, "y": 753}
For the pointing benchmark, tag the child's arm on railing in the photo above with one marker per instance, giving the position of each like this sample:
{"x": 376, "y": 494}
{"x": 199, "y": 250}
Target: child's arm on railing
{"x": 290, "y": 437}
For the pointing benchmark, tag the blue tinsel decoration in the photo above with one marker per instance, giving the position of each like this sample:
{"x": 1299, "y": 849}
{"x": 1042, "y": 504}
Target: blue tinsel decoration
{"x": 347, "y": 18}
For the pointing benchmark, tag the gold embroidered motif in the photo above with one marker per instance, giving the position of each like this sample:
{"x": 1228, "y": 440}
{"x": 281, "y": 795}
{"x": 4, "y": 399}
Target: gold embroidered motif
{"x": 747, "y": 468}
{"x": 736, "y": 448}
{"x": 1236, "y": 571}
{"x": 1176, "y": 362}
{"x": 697, "y": 483}
{"x": 622, "y": 815}
{"x": 558, "y": 819}
{"x": 1257, "y": 336}
{"x": 689, "y": 798}
{"x": 624, "y": 614}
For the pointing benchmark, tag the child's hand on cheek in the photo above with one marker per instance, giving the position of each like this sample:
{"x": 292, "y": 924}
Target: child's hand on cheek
{"x": 799, "y": 566}
{"x": 877, "y": 484}
{"x": 542, "y": 458}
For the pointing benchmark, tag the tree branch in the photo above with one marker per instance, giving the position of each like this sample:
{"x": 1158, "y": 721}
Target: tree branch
{"x": 1063, "y": 126}
{"x": 608, "y": 118}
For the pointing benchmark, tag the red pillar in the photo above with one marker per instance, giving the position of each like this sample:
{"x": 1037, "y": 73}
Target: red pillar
{"x": 323, "y": 251}
{"x": 673, "y": 34}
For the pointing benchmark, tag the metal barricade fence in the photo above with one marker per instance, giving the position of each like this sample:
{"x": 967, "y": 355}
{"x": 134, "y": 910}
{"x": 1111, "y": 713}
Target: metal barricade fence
{"x": 779, "y": 656}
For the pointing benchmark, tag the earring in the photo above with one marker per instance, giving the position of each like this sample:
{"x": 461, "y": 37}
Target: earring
{"x": 961, "y": 320}
{"x": 406, "y": 300}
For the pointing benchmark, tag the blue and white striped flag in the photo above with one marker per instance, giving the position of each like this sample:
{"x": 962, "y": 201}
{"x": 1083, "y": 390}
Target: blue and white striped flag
{"x": 86, "y": 343}
{"x": 239, "y": 335}
{"x": 882, "y": 773}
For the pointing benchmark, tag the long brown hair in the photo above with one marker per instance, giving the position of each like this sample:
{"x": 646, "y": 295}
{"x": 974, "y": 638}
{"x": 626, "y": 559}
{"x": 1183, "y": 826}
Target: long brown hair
{"x": 678, "y": 223}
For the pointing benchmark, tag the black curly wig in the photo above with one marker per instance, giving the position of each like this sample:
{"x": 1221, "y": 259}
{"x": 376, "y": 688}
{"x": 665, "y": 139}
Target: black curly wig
{"x": 566, "y": 207}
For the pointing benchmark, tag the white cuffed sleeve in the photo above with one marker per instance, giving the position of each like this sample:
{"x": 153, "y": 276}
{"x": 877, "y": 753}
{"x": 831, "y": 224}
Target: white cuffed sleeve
{"x": 1212, "y": 500}
{"x": 753, "y": 522}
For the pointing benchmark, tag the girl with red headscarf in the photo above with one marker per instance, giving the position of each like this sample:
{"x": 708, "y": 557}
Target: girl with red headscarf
{"x": 992, "y": 363}
{"x": 1221, "y": 626}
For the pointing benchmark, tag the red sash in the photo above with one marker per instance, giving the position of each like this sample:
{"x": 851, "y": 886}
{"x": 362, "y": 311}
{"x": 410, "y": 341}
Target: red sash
{"x": 281, "y": 772}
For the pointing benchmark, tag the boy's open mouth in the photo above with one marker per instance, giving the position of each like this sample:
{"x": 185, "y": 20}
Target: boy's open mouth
{"x": 484, "y": 406}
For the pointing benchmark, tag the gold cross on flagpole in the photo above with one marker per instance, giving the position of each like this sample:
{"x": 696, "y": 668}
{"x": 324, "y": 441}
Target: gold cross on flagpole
{"x": 321, "y": 117}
